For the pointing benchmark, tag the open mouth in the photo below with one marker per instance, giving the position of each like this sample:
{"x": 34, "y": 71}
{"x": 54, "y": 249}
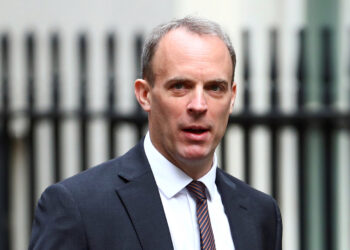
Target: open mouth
{"x": 195, "y": 130}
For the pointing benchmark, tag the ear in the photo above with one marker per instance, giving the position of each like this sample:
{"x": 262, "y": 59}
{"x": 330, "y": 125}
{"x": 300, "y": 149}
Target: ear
{"x": 233, "y": 95}
{"x": 142, "y": 92}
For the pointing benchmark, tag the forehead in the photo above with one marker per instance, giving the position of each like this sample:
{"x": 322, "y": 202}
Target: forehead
{"x": 183, "y": 48}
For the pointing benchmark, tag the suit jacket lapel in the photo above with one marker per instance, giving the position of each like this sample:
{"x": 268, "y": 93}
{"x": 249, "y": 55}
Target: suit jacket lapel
{"x": 140, "y": 196}
{"x": 237, "y": 210}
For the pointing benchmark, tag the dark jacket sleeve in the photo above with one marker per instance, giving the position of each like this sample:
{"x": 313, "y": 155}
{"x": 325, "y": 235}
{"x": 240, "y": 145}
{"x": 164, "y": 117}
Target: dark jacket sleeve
{"x": 57, "y": 222}
{"x": 278, "y": 245}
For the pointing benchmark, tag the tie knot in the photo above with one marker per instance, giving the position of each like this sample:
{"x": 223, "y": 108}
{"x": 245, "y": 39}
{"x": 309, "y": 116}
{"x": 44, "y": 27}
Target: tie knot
{"x": 197, "y": 189}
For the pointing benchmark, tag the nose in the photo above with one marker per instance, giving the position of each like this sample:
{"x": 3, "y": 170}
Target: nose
{"x": 197, "y": 104}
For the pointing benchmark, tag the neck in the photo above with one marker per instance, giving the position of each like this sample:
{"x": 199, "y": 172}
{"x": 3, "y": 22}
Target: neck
{"x": 195, "y": 169}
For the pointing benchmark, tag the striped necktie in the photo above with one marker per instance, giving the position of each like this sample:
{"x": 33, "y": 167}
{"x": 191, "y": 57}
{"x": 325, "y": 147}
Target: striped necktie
{"x": 197, "y": 189}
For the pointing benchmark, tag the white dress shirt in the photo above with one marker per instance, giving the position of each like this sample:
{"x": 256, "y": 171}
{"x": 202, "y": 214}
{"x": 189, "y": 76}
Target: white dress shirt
{"x": 180, "y": 207}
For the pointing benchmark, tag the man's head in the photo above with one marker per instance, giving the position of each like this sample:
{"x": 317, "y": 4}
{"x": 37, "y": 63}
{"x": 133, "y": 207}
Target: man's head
{"x": 188, "y": 96}
{"x": 195, "y": 25}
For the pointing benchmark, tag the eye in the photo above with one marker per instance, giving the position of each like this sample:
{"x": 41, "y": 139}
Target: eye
{"x": 215, "y": 87}
{"x": 178, "y": 86}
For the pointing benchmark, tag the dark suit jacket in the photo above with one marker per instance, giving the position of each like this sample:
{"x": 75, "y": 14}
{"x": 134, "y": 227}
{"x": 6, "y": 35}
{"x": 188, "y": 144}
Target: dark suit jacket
{"x": 117, "y": 206}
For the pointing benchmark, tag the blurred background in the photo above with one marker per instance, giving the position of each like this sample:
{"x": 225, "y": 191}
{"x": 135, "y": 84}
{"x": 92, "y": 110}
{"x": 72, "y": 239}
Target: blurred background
{"x": 66, "y": 102}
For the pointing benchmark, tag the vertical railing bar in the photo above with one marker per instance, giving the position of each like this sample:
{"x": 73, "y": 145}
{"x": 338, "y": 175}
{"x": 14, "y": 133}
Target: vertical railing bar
{"x": 326, "y": 67}
{"x": 348, "y": 66}
{"x": 274, "y": 71}
{"x": 111, "y": 93}
{"x": 56, "y": 118}
{"x": 83, "y": 81}
{"x": 4, "y": 145}
{"x": 327, "y": 80}
{"x": 139, "y": 110}
{"x": 31, "y": 143}
{"x": 223, "y": 150}
{"x": 301, "y": 131}
{"x": 301, "y": 70}
{"x": 274, "y": 108}
{"x": 247, "y": 103}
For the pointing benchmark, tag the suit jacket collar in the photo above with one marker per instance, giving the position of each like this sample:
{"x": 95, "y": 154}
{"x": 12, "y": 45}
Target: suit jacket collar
{"x": 237, "y": 211}
{"x": 139, "y": 194}
{"x": 140, "y": 197}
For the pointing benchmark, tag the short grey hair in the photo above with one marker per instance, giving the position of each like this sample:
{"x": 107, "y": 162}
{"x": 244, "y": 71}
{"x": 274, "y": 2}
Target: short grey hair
{"x": 200, "y": 26}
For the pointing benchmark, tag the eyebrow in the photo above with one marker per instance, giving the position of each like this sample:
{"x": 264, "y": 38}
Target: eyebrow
{"x": 178, "y": 79}
{"x": 218, "y": 81}
{"x": 184, "y": 79}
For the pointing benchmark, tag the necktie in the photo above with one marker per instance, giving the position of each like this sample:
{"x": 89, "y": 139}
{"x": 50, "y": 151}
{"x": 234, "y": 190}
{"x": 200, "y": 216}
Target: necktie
{"x": 197, "y": 189}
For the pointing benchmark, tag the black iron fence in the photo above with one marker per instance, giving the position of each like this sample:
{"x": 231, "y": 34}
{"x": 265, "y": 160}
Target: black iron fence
{"x": 326, "y": 119}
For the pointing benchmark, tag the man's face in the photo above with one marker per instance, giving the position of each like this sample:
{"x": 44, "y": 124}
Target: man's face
{"x": 191, "y": 98}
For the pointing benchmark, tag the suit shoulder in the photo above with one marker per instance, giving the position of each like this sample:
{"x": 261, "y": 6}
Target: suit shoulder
{"x": 95, "y": 173}
{"x": 108, "y": 175}
{"x": 108, "y": 171}
{"x": 247, "y": 190}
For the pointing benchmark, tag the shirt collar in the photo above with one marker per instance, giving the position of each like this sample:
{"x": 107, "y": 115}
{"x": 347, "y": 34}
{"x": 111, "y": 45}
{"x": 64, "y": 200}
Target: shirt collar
{"x": 171, "y": 179}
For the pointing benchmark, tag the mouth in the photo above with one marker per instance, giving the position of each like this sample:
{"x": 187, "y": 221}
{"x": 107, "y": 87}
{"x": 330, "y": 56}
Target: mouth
{"x": 195, "y": 130}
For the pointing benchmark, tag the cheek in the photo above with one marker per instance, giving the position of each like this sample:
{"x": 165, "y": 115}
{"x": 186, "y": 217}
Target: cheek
{"x": 166, "y": 112}
{"x": 221, "y": 114}
{"x": 171, "y": 108}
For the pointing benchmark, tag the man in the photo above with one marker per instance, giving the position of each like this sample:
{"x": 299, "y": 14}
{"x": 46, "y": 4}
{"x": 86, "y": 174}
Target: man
{"x": 167, "y": 192}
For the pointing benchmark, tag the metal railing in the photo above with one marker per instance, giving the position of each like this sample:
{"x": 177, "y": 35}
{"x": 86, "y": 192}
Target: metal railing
{"x": 327, "y": 119}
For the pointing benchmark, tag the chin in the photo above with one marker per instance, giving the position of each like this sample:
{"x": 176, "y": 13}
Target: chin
{"x": 197, "y": 154}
